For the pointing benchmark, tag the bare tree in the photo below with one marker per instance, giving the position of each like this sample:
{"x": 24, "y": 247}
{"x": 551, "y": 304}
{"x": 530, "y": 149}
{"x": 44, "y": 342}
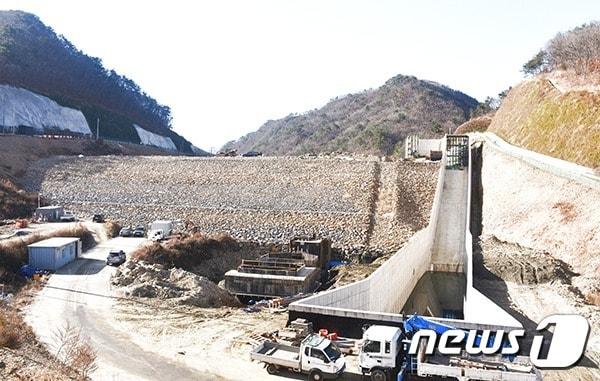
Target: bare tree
{"x": 578, "y": 49}
{"x": 83, "y": 359}
{"x": 74, "y": 351}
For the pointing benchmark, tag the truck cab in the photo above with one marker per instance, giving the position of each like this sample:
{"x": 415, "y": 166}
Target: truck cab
{"x": 381, "y": 352}
{"x": 321, "y": 358}
{"x": 156, "y": 235}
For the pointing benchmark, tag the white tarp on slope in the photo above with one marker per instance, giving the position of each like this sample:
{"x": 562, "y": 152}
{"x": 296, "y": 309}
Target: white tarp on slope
{"x": 152, "y": 139}
{"x": 20, "y": 107}
{"x": 198, "y": 151}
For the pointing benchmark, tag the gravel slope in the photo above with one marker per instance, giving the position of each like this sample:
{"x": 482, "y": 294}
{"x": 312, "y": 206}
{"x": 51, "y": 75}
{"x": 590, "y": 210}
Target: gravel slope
{"x": 258, "y": 199}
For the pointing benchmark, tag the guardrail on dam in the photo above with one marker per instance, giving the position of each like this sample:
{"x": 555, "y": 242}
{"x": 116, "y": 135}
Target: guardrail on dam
{"x": 430, "y": 275}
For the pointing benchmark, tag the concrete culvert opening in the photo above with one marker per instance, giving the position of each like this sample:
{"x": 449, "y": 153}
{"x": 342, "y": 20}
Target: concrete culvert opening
{"x": 438, "y": 294}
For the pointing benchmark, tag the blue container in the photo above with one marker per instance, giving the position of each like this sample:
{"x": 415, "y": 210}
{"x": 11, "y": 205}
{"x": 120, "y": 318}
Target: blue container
{"x": 54, "y": 253}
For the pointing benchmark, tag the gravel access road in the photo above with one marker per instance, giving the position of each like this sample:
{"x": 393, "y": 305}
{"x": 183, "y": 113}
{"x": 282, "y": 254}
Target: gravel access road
{"x": 79, "y": 295}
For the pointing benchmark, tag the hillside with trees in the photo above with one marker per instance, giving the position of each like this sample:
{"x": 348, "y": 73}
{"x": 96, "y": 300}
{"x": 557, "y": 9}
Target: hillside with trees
{"x": 34, "y": 57}
{"x": 577, "y": 50}
{"x": 557, "y": 110}
{"x": 372, "y": 121}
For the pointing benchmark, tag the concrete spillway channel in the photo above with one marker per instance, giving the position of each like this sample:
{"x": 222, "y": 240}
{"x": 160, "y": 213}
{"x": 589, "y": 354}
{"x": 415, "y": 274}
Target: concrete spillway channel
{"x": 431, "y": 275}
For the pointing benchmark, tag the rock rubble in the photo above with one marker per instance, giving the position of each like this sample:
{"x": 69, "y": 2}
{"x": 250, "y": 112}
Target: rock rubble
{"x": 257, "y": 199}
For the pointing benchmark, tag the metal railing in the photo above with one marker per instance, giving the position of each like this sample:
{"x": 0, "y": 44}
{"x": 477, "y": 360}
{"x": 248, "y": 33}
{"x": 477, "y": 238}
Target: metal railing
{"x": 457, "y": 151}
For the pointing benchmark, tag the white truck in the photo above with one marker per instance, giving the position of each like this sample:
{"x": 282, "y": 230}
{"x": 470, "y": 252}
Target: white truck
{"x": 381, "y": 352}
{"x": 316, "y": 356}
{"x": 384, "y": 357}
{"x": 160, "y": 229}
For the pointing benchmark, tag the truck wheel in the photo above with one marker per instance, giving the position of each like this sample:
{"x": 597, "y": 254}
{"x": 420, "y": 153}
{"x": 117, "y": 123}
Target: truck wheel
{"x": 378, "y": 375}
{"x": 272, "y": 369}
{"x": 315, "y": 375}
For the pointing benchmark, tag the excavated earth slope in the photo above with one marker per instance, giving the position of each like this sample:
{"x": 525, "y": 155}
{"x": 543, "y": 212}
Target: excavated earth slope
{"x": 559, "y": 121}
{"x": 539, "y": 252}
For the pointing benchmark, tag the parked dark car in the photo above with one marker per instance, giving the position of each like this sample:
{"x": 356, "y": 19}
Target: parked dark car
{"x": 126, "y": 232}
{"x": 139, "y": 231}
{"x": 116, "y": 258}
{"x": 22, "y": 232}
{"x": 98, "y": 218}
{"x": 252, "y": 154}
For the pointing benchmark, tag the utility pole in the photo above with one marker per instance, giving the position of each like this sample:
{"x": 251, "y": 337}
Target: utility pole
{"x": 39, "y": 201}
{"x": 98, "y": 128}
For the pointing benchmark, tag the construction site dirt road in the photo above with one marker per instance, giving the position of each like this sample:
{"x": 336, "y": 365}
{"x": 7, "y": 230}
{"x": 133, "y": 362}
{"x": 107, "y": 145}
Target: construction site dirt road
{"x": 79, "y": 295}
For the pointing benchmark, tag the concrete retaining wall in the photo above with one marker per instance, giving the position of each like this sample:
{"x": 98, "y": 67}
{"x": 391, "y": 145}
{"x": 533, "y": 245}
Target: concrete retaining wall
{"x": 444, "y": 245}
{"x": 477, "y": 308}
{"x": 389, "y": 287}
{"x": 549, "y": 164}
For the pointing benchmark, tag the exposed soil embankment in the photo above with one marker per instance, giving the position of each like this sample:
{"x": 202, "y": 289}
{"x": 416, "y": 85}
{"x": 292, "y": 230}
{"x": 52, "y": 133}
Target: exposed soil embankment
{"x": 562, "y": 122}
{"x": 512, "y": 262}
{"x": 536, "y": 248}
{"x": 141, "y": 279}
{"x": 210, "y": 256}
{"x": 547, "y": 213}
{"x": 185, "y": 270}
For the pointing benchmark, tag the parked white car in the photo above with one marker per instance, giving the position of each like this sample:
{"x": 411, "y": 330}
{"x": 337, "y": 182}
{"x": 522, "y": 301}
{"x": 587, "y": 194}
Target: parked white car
{"x": 67, "y": 217}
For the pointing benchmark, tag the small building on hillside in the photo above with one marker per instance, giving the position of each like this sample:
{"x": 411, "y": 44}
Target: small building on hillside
{"x": 53, "y": 253}
{"x": 415, "y": 147}
{"x": 49, "y": 213}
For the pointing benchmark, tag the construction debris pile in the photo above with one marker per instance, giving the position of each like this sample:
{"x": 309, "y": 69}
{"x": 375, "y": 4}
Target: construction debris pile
{"x": 297, "y": 331}
{"x": 140, "y": 279}
{"x": 515, "y": 263}
{"x": 257, "y": 199}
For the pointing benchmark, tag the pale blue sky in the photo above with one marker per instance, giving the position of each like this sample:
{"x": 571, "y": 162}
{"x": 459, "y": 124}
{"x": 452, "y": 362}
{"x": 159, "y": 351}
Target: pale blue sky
{"x": 225, "y": 67}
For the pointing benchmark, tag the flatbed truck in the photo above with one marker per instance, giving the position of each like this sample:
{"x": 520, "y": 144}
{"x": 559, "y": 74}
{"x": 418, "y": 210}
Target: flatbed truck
{"x": 316, "y": 356}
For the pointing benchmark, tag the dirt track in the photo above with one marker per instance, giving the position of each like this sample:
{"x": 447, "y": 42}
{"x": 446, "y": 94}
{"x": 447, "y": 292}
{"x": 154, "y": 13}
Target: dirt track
{"x": 79, "y": 294}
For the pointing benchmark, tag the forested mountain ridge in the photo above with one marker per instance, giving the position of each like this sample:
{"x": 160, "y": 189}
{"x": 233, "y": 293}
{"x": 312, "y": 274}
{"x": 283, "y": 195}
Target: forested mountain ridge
{"x": 372, "y": 121}
{"x": 34, "y": 57}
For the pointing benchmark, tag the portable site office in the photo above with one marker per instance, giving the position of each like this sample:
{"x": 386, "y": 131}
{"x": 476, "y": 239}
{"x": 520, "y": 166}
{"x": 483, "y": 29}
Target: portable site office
{"x": 49, "y": 213}
{"x": 53, "y": 253}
